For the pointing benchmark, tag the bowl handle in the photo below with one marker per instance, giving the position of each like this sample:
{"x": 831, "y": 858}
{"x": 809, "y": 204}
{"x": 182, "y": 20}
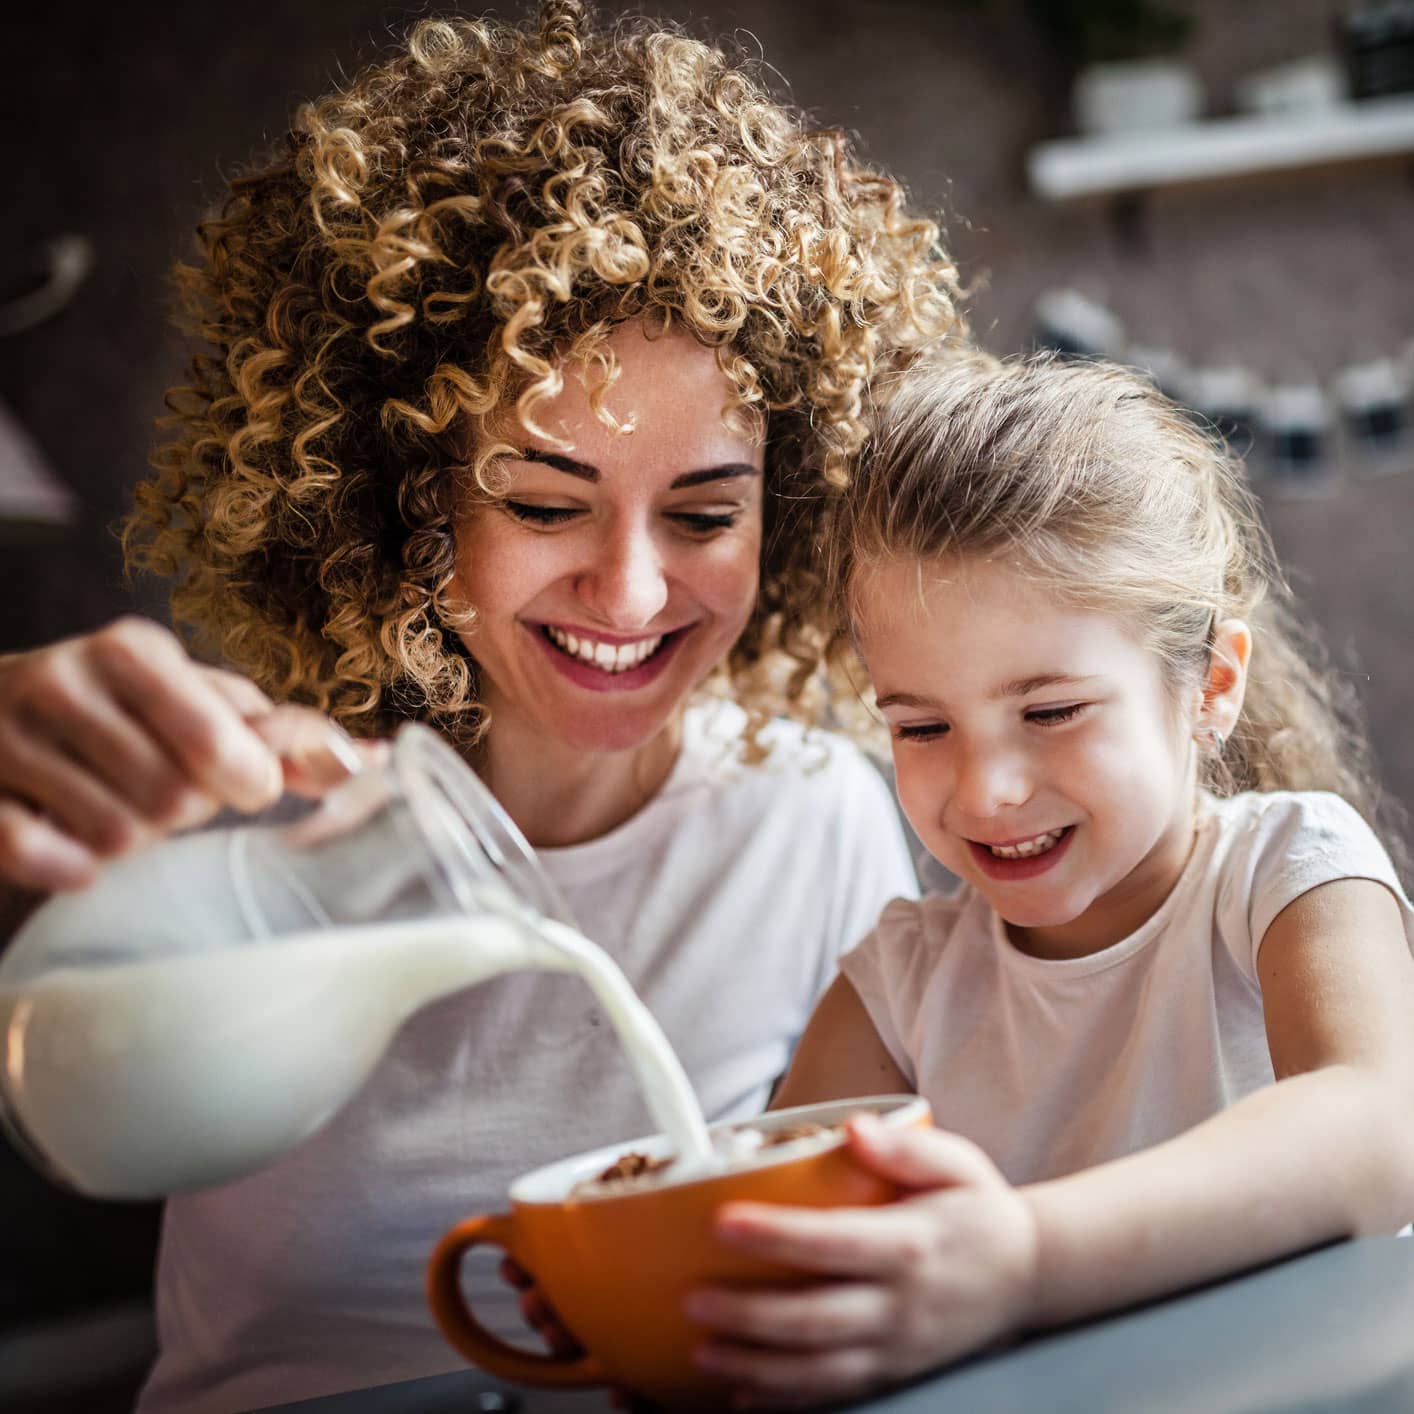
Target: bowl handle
{"x": 470, "y": 1337}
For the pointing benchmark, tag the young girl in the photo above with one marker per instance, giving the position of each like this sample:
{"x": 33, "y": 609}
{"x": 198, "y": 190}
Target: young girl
{"x": 1164, "y": 1025}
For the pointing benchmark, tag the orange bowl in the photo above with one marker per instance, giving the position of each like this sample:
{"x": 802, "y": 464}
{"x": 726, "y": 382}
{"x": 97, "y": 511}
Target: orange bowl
{"x": 617, "y": 1265}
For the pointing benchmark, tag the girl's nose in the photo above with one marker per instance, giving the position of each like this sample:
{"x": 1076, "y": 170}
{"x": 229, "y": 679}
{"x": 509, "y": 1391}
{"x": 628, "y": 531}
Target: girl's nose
{"x": 990, "y": 781}
{"x": 625, "y": 587}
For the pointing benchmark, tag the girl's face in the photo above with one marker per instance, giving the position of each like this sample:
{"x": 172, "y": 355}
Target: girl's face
{"x": 614, "y": 575}
{"x": 1037, "y": 753}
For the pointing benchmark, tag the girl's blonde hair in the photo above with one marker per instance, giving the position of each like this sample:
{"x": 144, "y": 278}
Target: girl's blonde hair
{"x": 1087, "y": 478}
{"x": 423, "y": 251}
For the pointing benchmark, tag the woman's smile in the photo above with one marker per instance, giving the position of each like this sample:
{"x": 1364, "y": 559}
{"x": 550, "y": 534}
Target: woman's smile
{"x": 605, "y": 663}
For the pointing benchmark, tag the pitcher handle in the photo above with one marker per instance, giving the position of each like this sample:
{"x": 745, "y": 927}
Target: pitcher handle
{"x": 470, "y": 1337}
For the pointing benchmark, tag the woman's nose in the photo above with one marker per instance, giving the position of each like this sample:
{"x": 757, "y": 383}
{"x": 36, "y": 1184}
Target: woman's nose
{"x": 625, "y": 586}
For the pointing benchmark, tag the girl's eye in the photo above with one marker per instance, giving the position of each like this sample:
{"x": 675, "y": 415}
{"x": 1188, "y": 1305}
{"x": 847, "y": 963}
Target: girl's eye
{"x": 1054, "y": 716}
{"x": 538, "y": 515}
{"x": 924, "y": 731}
{"x": 705, "y": 522}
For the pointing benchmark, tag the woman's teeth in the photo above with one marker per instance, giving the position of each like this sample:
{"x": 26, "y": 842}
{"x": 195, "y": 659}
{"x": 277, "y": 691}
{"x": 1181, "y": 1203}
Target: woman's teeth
{"x": 1038, "y": 845}
{"x": 607, "y": 657}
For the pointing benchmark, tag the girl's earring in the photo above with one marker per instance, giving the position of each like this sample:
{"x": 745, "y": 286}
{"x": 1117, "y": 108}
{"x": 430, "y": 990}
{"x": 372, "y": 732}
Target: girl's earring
{"x": 1211, "y": 739}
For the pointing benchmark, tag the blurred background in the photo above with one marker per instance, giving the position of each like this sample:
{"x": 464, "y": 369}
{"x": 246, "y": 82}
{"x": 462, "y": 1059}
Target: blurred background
{"x": 1222, "y": 193}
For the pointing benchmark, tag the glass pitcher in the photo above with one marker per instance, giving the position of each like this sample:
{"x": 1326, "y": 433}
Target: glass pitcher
{"x": 215, "y": 998}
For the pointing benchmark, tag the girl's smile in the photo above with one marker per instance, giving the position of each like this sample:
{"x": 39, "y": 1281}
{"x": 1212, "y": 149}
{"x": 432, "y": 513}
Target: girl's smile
{"x": 1022, "y": 858}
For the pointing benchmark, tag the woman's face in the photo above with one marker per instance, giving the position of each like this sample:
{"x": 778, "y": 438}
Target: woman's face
{"x": 613, "y": 575}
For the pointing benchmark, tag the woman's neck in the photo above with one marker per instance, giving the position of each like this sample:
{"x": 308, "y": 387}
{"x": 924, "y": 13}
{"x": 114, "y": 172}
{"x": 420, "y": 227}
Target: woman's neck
{"x": 560, "y": 796}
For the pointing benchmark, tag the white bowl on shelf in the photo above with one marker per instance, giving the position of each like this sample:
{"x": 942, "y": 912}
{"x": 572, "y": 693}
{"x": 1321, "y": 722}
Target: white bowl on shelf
{"x": 1138, "y": 96}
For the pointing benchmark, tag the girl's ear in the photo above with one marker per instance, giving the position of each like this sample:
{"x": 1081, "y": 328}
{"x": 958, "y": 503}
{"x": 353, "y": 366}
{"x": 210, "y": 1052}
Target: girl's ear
{"x": 1226, "y": 683}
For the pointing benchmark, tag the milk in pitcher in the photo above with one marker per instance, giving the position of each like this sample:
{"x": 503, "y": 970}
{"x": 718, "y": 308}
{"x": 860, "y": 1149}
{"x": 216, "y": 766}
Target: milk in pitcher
{"x": 143, "y": 1078}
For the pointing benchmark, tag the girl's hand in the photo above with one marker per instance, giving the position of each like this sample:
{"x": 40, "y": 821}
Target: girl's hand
{"x": 907, "y": 1286}
{"x": 116, "y": 737}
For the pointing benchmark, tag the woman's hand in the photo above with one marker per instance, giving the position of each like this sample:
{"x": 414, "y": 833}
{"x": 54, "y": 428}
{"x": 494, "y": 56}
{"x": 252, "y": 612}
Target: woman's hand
{"x": 539, "y": 1315}
{"x": 906, "y": 1286}
{"x": 115, "y": 737}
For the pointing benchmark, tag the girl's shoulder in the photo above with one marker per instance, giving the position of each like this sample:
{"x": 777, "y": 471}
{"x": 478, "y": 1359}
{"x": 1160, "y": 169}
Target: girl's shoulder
{"x": 925, "y": 926}
{"x": 916, "y": 945}
{"x": 1270, "y": 847}
{"x": 1283, "y": 822}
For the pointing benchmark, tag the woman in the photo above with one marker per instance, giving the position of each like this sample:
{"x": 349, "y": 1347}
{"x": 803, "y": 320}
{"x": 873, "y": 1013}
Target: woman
{"x": 537, "y": 353}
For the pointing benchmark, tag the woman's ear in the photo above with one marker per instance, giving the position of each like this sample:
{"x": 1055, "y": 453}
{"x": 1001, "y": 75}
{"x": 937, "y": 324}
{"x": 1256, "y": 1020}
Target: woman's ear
{"x": 1226, "y": 682}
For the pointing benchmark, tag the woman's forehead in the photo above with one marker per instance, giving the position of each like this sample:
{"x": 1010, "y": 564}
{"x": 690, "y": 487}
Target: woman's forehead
{"x": 669, "y": 389}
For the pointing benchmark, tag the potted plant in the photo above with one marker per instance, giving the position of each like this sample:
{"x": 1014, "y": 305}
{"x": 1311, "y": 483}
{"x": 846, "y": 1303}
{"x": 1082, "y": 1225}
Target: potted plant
{"x": 1126, "y": 78}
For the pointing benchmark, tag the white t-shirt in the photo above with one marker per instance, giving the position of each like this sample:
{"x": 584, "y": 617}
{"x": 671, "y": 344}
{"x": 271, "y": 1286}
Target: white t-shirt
{"x": 1053, "y": 1066}
{"x": 727, "y": 901}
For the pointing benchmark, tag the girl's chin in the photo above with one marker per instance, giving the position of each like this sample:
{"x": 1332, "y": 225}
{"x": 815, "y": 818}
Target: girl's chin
{"x": 1056, "y": 914}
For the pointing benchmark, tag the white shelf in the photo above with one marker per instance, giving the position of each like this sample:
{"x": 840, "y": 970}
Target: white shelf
{"x": 1070, "y": 168}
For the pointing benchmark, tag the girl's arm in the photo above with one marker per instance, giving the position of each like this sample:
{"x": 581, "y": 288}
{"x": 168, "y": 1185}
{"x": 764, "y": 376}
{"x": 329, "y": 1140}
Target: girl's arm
{"x": 840, "y": 1055}
{"x": 1326, "y": 1152}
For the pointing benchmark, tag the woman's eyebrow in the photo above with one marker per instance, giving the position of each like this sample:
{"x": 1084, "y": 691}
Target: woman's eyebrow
{"x": 714, "y": 473}
{"x": 558, "y": 463}
{"x": 585, "y": 472}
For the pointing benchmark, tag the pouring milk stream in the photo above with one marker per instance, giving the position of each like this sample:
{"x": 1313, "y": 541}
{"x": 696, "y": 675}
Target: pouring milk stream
{"x": 214, "y": 1000}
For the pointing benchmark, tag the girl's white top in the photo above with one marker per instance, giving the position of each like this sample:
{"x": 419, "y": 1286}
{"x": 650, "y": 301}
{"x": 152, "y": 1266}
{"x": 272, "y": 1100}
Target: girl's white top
{"x": 726, "y": 901}
{"x": 1052, "y": 1066}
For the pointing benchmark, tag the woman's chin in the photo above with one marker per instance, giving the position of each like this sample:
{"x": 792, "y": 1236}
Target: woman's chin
{"x": 613, "y": 730}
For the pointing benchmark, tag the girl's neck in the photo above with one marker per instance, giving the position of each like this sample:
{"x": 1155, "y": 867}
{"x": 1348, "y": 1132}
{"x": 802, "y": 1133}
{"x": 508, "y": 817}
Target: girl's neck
{"x": 560, "y": 796}
{"x": 1129, "y": 905}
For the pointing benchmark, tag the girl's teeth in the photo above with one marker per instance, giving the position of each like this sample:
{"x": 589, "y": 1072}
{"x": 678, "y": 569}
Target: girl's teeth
{"x": 1027, "y": 848}
{"x": 607, "y": 657}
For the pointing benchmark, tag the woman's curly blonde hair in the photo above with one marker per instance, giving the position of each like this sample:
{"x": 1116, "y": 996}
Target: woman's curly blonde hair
{"x": 426, "y": 248}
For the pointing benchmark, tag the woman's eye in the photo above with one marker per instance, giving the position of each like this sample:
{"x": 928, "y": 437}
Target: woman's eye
{"x": 1054, "y": 716}
{"x": 924, "y": 731}
{"x": 705, "y": 522}
{"x": 538, "y": 515}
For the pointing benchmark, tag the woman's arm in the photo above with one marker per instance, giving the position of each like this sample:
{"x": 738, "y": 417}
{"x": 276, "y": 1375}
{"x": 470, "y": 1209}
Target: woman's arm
{"x": 840, "y": 1055}
{"x": 1327, "y": 1152}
